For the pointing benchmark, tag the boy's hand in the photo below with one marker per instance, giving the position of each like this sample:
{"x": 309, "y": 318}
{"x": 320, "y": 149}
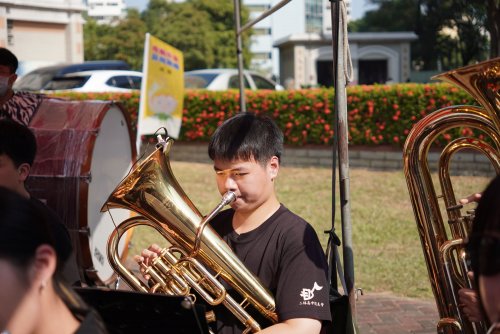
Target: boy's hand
{"x": 147, "y": 255}
{"x": 469, "y": 303}
{"x": 471, "y": 198}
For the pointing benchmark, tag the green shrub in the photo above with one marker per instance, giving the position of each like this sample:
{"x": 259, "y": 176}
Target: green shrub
{"x": 377, "y": 115}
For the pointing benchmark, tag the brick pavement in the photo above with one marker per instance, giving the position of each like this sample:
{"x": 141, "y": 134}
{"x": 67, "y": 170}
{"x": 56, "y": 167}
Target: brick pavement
{"x": 385, "y": 313}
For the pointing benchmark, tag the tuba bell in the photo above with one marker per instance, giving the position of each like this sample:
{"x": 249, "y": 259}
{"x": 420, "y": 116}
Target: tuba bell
{"x": 197, "y": 258}
{"x": 443, "y": 245}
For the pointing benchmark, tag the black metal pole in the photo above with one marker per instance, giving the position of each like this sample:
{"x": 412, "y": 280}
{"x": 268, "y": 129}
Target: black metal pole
{"x": 341, "y": 131}
{"x": 239, "y": 54}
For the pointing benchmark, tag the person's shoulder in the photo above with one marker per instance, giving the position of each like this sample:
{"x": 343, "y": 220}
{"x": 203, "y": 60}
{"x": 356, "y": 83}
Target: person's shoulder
{"x": 292, "y": 224}
{"x": 45, "y": 210}
{"x": 27, "y": 97}
{"x": 290, "y": 219}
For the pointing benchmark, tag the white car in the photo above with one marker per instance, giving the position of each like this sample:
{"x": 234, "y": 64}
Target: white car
{"x": 223, "y": 79}
{"x": 96, "y": 81}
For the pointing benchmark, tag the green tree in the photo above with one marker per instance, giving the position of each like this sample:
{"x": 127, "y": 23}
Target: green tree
{"x": 203, "y": 30}
{"x": 122, "y": 41}
{"x": 450, "y": 31}
{"x": 93, "y": 33}
{"x": 223, "y": 24}
{"x": 188, "y": 30}
{"x": 396, "y": 15}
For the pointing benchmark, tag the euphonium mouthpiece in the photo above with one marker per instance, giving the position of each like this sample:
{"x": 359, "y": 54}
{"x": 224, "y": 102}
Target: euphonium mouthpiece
{"x": 228, "y": 198}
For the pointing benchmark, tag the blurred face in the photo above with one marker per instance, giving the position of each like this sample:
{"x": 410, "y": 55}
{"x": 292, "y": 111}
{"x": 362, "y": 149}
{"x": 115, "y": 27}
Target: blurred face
{"x": 249, "y": 180}
{"x": 489, "y": 287}
{"x": 11, "y": 177}
{"x": 7, "y": 79}
{"x": 12, "y": 290}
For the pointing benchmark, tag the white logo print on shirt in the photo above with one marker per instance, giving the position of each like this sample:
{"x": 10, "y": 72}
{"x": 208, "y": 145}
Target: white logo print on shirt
{"x": 308, "y": 294}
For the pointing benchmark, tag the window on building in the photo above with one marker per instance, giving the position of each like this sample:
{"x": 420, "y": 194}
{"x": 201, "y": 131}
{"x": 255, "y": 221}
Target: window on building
{"x": 261, "y": 31}
{"x": 258, "y": 8}
{"x": 10, "y": 33}
{"x": 261, "y": 55}
{"x": 314, "y": 15}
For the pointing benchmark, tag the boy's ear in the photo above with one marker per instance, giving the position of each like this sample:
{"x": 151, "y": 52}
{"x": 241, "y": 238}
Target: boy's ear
{"x": 13, "y": 79}
{"x": 274, "y": 167}
{"x": 24, "y": 171}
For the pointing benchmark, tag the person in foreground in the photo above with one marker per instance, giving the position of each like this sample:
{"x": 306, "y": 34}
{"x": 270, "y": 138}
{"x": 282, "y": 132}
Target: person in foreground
{"x": 18, "y": 106}
{"x": 484, "y": 249}
{"x": 279, "y": 247}
{"x": 17, "y": 153}
{"x": 32, "y": 297}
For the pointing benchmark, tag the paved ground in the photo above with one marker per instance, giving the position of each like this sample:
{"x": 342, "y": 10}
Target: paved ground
{"x": 384, "y": 313}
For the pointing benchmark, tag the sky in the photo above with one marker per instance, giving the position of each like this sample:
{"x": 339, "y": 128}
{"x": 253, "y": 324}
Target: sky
{"x": 358, "y": 7}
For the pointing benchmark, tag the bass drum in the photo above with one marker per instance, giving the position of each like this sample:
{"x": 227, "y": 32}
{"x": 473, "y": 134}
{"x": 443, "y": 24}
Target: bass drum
{"x": 85, "y": 148}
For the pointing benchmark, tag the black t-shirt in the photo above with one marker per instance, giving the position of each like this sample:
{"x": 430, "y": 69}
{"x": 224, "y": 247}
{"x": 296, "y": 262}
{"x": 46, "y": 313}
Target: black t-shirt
{"x": 286, "y": 255}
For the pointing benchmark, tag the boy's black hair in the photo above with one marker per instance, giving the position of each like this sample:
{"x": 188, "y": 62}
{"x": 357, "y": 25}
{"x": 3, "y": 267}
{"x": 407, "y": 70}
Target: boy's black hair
{"x": 23, "y": 228}
{"x": 484, "y": 239}
{"x": 7, "y": 58}
{"x": 17, "y": 142}
{"x": 246, "y": 136}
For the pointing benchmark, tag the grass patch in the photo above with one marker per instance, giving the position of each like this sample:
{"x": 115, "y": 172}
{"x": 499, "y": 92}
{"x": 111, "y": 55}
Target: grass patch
{"x": 387, "y": 251}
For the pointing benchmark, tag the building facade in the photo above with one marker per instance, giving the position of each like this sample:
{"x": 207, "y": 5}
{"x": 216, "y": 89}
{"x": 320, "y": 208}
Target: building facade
{"x": 42, "y": 32}
{"x": 296, "y": 17}
{"x": 306, "y": 60}
{"x": 106, "y": 11}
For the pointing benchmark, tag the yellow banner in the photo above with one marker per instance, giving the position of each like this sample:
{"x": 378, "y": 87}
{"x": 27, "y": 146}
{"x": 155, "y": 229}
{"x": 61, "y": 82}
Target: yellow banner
{"x": 162, "y": 91}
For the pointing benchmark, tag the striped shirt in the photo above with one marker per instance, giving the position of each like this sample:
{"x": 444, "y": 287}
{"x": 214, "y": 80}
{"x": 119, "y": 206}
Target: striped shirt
{"x": 21, "y": 107}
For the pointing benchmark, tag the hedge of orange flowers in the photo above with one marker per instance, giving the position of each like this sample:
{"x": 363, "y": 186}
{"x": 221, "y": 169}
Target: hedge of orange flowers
{"x": 380, "y": 114}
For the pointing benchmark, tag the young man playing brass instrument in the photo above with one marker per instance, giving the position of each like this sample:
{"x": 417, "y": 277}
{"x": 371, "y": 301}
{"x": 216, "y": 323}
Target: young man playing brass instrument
{"x": 279, "y": 247}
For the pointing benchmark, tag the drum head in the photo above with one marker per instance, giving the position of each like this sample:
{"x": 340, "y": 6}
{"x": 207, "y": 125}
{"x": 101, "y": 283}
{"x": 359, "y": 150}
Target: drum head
{"x": 111, "y": 161}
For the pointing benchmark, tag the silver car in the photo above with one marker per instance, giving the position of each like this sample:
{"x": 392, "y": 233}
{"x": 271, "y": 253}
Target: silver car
{"x": 223, "y": 79}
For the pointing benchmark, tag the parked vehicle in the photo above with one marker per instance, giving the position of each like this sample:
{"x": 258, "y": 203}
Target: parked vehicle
{"x": 222, "y": 79}
{"x": 96, "y": 81}
{"x": 37, "y": 80}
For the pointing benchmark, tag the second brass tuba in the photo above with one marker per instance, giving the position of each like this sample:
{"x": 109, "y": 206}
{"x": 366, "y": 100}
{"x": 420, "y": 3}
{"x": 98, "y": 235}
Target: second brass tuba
{"x": 198, "y": 257}
{"x": 443, "y": 245}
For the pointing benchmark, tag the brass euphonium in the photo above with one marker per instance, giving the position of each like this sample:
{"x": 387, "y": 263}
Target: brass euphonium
{"x": 443, "y": 246}
{"x": 198, "y": 257}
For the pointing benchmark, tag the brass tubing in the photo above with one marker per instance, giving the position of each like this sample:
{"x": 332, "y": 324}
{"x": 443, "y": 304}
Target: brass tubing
{"x": 426, "y": 208}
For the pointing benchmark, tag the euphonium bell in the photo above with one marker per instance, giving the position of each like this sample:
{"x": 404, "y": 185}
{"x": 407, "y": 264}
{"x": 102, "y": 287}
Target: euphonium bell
{"x": 198, "y": 256}
{"x": 444, "y": 251}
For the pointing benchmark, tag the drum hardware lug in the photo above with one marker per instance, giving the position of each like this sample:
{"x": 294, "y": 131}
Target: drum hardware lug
{"x": 91, "y": 271}
{"x": 87, "y": 178}
{"x": 84, "y": 230}
{"x": 117, "y": 283}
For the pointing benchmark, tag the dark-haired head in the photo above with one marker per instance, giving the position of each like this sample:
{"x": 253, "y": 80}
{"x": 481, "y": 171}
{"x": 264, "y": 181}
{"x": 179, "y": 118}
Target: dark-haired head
{"x": 9, "y": 60}
{"x": 246, "y": 136}
{"x": 484, "y": 239}
{"x": 17, "y": 142}
{"x": 22, "y": 229}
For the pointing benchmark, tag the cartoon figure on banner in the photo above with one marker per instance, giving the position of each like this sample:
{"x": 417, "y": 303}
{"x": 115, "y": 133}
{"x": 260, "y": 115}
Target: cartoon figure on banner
{"x": 160, "y": 102}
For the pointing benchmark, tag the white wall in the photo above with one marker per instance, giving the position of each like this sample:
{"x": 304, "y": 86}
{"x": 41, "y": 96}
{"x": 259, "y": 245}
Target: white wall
{"x": 43, "y": 31}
